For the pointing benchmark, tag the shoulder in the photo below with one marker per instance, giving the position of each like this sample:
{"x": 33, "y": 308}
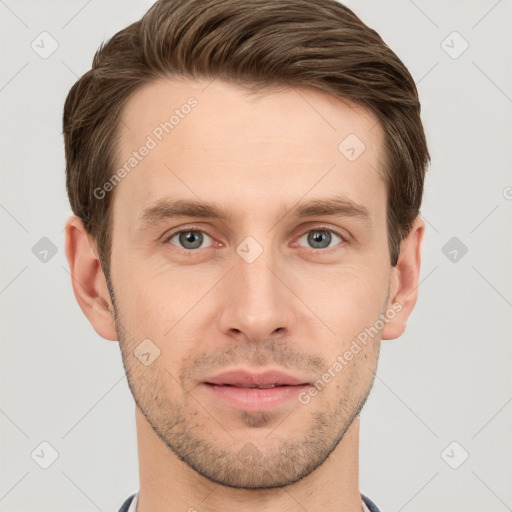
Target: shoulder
{"x": 369, "y": 503}
{"x": 125, "y": 507}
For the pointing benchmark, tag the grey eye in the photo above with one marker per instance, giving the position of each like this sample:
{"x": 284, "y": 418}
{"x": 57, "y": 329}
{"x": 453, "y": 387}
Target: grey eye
{"x": 191, "y": 239}
{"x": 320, "y": 238}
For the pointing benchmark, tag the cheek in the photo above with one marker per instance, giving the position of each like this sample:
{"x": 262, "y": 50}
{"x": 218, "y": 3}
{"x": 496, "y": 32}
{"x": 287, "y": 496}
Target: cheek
{"x": 347, "y": 298}
{"x": 142, "y": 308}
{"x": 165, "y": 306}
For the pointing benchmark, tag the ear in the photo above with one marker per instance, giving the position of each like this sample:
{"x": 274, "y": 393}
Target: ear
{"x": 88, "y": 280}
{"x": 404, "y": 281}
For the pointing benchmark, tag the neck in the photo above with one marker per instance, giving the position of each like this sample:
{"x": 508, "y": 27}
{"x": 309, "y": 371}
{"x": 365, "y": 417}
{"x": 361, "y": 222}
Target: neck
{"x": 167, "y": 484}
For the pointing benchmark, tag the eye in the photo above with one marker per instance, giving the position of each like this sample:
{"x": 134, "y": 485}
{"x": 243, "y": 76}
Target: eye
{"x": 320, "y": 238}
{"x": 189, "y": 239}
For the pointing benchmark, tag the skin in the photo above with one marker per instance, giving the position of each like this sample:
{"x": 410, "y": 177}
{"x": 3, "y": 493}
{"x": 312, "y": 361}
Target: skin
{"x": 296, "y": 307}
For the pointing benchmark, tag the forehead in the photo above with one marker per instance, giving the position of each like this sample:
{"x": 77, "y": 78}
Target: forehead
{"x": 216, "y": 141}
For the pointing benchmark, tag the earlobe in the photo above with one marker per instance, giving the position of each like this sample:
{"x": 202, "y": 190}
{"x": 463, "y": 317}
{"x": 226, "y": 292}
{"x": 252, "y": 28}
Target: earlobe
{"x": 404, "y": 282}
{"x": 88, "y": 280}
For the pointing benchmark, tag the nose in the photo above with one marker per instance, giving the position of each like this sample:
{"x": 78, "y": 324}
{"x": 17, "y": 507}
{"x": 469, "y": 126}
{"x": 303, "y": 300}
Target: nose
{"x": 256, "y": 303}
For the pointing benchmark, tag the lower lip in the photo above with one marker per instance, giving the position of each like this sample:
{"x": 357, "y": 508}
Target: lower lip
{"x": 255, "y": 399}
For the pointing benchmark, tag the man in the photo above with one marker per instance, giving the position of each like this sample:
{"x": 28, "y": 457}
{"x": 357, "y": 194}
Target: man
{"x": 246, "y": 179}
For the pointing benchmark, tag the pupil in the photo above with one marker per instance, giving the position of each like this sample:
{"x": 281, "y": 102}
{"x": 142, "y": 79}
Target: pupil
{"x": 319, "y": 239}
{"x": 191, "y": 237}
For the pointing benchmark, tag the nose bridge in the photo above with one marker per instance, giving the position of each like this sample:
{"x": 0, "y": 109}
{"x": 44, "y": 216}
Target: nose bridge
{"x": 256, "y": 304}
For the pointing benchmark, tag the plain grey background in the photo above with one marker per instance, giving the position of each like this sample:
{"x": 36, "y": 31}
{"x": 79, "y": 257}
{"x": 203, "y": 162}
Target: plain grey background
{"x": 443, "y": 390}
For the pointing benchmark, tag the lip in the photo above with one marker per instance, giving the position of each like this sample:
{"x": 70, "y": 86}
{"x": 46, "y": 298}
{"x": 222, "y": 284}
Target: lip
{"x": 238, "y": 388}
{"x": 245, "y": 379}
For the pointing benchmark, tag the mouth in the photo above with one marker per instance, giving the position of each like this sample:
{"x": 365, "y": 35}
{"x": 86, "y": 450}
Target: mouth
{"x": 262, "y": 380}
{"x": 269, "y": 386}
{"x": 255, "y": 391}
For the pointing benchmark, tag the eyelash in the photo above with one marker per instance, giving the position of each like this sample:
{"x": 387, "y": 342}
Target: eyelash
{"x": 344, "y": 238}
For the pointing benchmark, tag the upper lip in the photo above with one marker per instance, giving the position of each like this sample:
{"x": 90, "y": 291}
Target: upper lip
{"x": 246, "y": 379}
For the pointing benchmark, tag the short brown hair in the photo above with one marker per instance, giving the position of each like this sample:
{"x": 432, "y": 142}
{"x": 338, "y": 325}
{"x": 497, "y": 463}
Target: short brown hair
{"x": 257, "y": 44}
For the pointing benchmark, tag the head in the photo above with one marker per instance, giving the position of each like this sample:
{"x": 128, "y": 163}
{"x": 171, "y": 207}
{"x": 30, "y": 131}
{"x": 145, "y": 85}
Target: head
{"x": 246, "y": 179}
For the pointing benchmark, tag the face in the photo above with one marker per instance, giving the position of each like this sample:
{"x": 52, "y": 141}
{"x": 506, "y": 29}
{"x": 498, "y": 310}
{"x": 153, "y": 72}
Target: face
{"x": 249, "y": 249}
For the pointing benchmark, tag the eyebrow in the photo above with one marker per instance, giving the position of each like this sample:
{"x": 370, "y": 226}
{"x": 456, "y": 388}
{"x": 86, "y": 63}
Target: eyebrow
{"x": 336, "y": 206}
{"x": 165, "y": 209}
